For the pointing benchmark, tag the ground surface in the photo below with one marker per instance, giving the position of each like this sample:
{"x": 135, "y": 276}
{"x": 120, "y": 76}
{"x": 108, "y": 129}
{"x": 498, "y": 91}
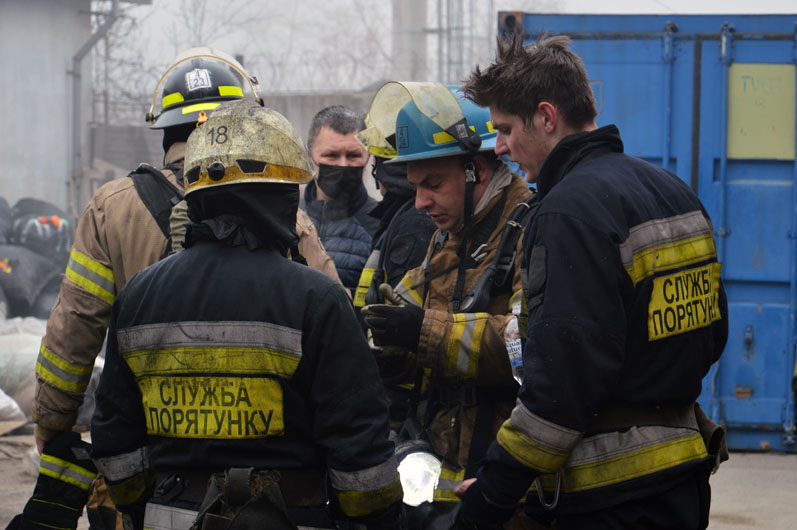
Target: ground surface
{"x": 751, "y": 491}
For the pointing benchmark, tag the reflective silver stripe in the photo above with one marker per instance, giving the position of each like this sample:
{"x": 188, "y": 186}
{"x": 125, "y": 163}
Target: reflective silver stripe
{"x": 66, "y": 471}
{"x": 445, "y": 484}
{"x": 466, "y": 347}
{"x": 209, "y": 334}
{"x": 658, "y": 231}
{"x": 611, "y": 444}
{"x": 124, "y": 466}
{"x": 373, "y": 260}
{"x": 92, "y": 276}
{"x": 542, "y": 431}
{"x": 160, "y": 517}
{"x": 77, "y": 379}
{"x": 369, "y": 479}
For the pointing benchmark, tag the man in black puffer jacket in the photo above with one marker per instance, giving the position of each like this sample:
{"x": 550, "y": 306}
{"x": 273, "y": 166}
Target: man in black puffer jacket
{"x": 336, "y": 200}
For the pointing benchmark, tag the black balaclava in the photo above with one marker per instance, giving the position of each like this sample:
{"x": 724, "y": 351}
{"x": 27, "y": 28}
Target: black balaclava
{"x": 393, "y": 177}
{"x": 257, "y": 215}
{"x": 339, "y": 181}
{"x": 178, "y": 133}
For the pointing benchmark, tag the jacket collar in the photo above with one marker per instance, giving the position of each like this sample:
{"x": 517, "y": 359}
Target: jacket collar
{"x": 336, "y": 208}
{"x": 571, "y": 150}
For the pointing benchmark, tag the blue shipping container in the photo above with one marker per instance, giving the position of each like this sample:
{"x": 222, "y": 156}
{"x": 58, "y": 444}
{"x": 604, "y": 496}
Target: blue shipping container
{"x": 712, "y": 98}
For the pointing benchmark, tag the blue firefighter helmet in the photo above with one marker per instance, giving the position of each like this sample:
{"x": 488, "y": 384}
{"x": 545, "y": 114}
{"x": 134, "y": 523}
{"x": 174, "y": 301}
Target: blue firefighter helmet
{"x": 414, "y": 121}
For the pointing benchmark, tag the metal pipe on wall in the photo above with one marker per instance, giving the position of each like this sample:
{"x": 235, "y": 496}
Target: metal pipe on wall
{"x": 77, "y": 60}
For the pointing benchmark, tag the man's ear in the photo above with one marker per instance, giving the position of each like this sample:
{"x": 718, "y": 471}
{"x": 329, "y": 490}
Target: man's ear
{"x": 484, "y": 168}
{"x": 547, "y": 116}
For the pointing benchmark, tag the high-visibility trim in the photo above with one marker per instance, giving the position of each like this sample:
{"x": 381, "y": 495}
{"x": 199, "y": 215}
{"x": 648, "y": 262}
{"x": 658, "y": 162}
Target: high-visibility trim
{"x": 230, "y": 334}
{"x": 91, "y": 276}
{"x": 366, "y": 277}
{"x": 362, "y": 286}
{"x": 361, "y": 503}
{"x": 616, "y": 457}
{"x": 536, "y": 442}
{"x": 405, "y": 290}
{"x": 516, "y": 300}
{"x": 449, "y": 481}
{"x": 232, "y": 90}
{"x": 443, "y": 137}
{"x": 65, "y": 471}
{"x": 172, "y": 99}
{"x": 665, "y": 244}
{"x": 490, "y": 127}
{"x": 237, "y": 360}
{"x": 367, "y": 490}
{"x": 464, "y": 346}
{"x": 132, "y": 489}
{"x": 162, "y": 517}
{"x": 272, "y": 173}
{"x": 124, "y": 466}
{"x": 199, "y": 106}
{"x": 60, "y": 373}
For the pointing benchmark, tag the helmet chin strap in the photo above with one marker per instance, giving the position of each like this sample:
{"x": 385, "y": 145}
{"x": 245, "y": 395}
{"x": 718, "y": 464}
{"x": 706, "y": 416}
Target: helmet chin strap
{"x": 471, "y": 179}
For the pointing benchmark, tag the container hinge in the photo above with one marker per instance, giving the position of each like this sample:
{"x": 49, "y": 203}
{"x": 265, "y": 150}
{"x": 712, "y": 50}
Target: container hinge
{"x": 726, "y": 43}
{"x": 668, "y": 50}
{"x": 722, "y": 232}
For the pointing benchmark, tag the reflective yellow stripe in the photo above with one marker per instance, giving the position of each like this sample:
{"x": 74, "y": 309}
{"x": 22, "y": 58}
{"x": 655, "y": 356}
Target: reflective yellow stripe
{"x": 443, "y": 137}
{"x": 66, "y": 471}
{"x": 669, "y": 256}
{"x": 405, "y": 290}
{"x": 218, "y": 359}
{"x": 130, "y": 490}
{"x": 529, "y": 452}
{"x": 634, "y": 464}
{"x": 91, "y": 276}
{"x": 516, "y": 299}
{"x": 360, "y": 503}
{"x": 172, "y": 99}
{"x": 362, "y": 286}
{"x": 464, "y": 346}
{"x": 490, "y": 127}
{"x": 231, "y": 91}
{"x": 448, "y": 482}
{"x": 60, "y": 373}
{"x": 200, "y": 106}
{"x": 536, "y": 442}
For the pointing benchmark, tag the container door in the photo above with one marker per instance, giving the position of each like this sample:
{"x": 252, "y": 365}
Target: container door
{"x": 747, "y": 174}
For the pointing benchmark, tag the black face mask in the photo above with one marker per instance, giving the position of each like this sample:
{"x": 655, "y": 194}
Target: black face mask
{"x": 339, "y": 180}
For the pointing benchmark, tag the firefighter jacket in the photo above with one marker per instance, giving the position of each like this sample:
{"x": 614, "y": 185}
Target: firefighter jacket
{"x": 466, "y": 352}
{"x": 220, "y": 356}
{"x": 626, "y": 313}
{"x": 115, "y": 238}
{"x": 399, "y": 245}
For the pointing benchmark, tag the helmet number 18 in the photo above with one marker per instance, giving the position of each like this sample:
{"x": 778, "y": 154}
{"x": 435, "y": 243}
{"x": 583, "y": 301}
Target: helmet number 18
{"x": 218, "y": 135}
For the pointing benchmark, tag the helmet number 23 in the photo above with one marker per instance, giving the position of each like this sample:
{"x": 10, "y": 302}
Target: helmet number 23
{"x": 218, "y": 135}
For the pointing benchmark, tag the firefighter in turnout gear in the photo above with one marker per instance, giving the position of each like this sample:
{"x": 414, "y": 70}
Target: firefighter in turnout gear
{"x": 237, "y": 379}
{"x": 124, "y": 229}
{"x": 626, "y": 313}
{"x": 456, "y": 305}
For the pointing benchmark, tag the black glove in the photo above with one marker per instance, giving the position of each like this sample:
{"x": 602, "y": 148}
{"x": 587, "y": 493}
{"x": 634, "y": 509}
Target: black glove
{"x": 478, "y": 512}
{"x": 394, "y": 325}
{"x": 62, "y": 488}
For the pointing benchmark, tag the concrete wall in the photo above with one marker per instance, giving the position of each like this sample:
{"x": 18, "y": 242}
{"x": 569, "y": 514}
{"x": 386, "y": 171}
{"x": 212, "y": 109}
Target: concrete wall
{"x": 37, "y": 41}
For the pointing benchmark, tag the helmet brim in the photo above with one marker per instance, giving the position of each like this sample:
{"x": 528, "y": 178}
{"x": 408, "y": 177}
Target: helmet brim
{"x": 488, "y": 144}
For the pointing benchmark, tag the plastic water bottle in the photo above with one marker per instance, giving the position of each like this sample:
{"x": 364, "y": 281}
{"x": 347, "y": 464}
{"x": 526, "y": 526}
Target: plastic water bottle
{"x": 513, "y": 346}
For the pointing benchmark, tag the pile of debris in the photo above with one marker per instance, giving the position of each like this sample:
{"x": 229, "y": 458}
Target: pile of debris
{"x": 35, "y": 240}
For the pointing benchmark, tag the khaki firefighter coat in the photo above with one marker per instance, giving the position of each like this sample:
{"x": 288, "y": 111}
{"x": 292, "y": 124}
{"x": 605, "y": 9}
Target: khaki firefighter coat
{"x": 466, "y": 352}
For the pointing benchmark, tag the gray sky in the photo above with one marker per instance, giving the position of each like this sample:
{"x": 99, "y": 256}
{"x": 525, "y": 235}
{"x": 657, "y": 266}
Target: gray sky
{"x": 328, "y": 45}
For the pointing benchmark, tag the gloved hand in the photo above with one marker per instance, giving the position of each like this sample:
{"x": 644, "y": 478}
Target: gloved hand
{"x": 478, "y": 512}
{"x": 394, "y": 325}
{"x": 62, "y": 488}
